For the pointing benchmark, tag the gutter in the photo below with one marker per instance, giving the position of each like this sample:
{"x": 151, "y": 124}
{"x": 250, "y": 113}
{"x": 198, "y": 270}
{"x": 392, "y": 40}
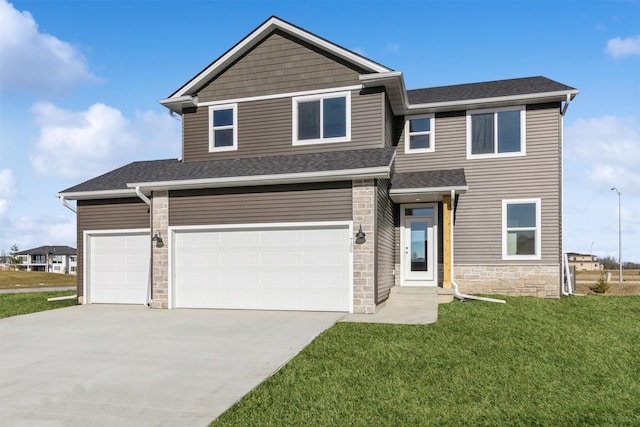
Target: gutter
{"x": 459, "y": 295}
{"x": 141, "y": 195}
{"x": 566, "y": 105}
{"x": 67, "y": 205}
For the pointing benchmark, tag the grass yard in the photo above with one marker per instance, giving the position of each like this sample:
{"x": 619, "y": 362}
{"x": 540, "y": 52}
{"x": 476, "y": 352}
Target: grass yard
{"x": 34, "y": 279}
{"x": 31, "y": 302}
{"x": 568, "y": 362}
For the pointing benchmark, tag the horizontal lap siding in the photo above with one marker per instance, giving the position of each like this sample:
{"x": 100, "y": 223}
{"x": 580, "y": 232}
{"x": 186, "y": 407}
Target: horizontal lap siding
{"x": 265, "y": 129}
{"x": 279, "y": 64}
{"x": 289, "y": 203}
{"x": 478, "y": 227}
{"x": 108, "y": 214}
{"x": 385, "y": 242}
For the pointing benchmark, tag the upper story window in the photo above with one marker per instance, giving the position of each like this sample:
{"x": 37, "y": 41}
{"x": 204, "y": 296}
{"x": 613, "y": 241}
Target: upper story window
{"x": 521, "y": 229}
{"x": 223, "y": 128}
{"x": 322, "y": 118}
{"x": 496, "y": 133}
{"x": 419, "y": 134}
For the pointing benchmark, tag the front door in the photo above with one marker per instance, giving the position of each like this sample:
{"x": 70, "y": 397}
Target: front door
{"x": 419, "y": 246}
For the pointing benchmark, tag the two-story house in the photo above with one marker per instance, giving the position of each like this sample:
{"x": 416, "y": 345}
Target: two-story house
{"x": 584, "y": 262}
{"x": 312, "y": 179}
{"x": 50, "y": 259}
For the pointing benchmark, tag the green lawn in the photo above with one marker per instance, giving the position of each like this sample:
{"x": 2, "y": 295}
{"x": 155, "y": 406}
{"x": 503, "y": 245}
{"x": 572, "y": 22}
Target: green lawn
{"x": 530, "y": 362}
{"x": 31, "y": 302}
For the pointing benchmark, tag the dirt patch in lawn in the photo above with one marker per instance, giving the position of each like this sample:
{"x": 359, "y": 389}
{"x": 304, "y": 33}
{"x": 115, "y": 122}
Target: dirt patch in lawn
{"x": 630, "y": 282}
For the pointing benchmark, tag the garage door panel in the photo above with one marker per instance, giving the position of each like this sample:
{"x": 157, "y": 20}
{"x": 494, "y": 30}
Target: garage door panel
{"x": 118, "y": 268}
{"x": 285, "y": 268}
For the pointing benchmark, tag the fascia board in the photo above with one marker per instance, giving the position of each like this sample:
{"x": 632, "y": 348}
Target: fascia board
{"x": 253, "y": 180}
{"x": 252, "y": 39}
{"x": 425, "y": 190}
{"x": 99, "y": 194}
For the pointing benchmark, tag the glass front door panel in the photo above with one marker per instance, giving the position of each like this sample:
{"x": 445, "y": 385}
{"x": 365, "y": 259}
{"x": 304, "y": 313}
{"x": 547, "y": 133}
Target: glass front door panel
{"x": 419, "y": 246}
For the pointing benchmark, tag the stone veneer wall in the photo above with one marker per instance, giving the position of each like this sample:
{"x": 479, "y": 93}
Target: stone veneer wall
{"x": 364, "y": 208}
{"x": 160, "y": 259}
{"x": 541, "y": 281}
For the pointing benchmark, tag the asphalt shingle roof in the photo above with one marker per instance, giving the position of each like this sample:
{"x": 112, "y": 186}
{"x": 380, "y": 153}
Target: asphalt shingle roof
{"x": 498, "y": 88}
{"x": 54, "y": 250}
{"x": 443, "y": 178}
{"x": 174, "y": 170}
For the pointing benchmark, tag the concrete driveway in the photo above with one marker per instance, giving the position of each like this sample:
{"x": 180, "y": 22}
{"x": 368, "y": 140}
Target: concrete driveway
{"x": 109, "y": 365}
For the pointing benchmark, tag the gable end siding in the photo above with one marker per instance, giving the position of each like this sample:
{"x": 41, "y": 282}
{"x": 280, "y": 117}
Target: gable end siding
{"x": 108, "y": 214}
{"x": 280, "y": 63}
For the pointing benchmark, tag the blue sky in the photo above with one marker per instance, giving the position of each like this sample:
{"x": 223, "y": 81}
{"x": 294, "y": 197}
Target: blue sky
{"x": 80, "y": 80}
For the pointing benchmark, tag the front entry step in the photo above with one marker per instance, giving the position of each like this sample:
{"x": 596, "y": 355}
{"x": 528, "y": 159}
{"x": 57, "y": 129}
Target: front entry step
{"x": 420, "y": 293}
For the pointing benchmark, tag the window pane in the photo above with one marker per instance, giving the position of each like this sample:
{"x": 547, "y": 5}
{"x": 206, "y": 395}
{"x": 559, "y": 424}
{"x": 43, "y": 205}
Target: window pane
{"x": 521, "y": 242}
{"x": 508, "y": 131}
{"x": 309, "y": 120}
{"x": 335, "y": 117}
{"x": 521, "y": 215}
{"x": 419, "y": 141}
{"x": 419, "y": 212}
{"x": 419, "y": 246}
{"x": 223, "y": 117}
{"x": 482, "y": 133}
{"x": 420, "y": 125}
{"x": 223, "y": 138}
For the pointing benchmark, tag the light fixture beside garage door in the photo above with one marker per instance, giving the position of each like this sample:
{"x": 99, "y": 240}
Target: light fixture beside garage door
{"x": 360, "y": 236}
{"x": 158, "y": 239}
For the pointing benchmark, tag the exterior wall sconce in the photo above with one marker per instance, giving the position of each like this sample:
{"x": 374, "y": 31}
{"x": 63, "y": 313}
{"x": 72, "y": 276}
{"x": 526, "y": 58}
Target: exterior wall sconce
{"x": 360, "y": 236}
{"x": 156, "y": 238}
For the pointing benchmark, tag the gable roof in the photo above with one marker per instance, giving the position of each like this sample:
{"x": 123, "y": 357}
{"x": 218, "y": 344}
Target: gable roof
{"x": 174, "y": 174}
{"x": 51, "y": 250}
{"x": 492, "y": 89}
{"x": 255, "y": 37}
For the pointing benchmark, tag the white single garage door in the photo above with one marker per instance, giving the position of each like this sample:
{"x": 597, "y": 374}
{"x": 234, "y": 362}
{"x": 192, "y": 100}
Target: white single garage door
{"x": 118, "y": 268}
{"x": 284, "y": 268}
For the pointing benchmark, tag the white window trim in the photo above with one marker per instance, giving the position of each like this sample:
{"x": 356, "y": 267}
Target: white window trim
{"x": 523, "y": 133}
{"x": 234, "y": 147}
{"x": 431, "y": 133}
{"x": 321, "y": 140}
{"x": 538, "y": 230}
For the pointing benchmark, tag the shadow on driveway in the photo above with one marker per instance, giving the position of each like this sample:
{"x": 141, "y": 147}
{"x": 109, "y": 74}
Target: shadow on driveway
{"x": 131, "y": 365}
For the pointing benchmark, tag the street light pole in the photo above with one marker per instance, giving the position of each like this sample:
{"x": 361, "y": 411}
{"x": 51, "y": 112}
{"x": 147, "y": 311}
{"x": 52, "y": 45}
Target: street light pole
{"x": 619, "y": 233}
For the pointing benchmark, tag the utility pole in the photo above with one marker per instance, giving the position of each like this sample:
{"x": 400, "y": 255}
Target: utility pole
{"x": 619, "y": 233}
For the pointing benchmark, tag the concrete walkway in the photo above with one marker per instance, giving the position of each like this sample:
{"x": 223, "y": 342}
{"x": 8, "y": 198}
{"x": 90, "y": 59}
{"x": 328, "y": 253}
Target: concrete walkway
{"x": 110, "y": 365}
{"x": 40, "y": 289}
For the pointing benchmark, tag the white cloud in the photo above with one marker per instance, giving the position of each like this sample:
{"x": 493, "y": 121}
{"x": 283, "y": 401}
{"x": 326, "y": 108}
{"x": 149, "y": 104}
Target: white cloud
{"x": 619, "y": 47}
{"x": 392, "y": 47}
{"x": 84, "y": 144}
{"x": 7, "y": 183}
{"x": 608, "y": 149}
{"x": 35, "y": 61}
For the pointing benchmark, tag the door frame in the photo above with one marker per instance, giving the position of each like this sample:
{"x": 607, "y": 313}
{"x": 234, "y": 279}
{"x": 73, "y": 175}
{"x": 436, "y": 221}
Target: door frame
{"x": 434, "y": 246}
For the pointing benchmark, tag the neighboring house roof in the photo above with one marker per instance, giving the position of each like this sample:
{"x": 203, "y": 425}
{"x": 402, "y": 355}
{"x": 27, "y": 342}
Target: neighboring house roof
{"x": 492, "y": 89}
{"x": 174, "y": 174}
{"x": 51, "y": 250}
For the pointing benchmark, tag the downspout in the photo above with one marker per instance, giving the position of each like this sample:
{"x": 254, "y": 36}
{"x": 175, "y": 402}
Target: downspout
{"x": 74, "y": 296}
{"x": 459, "y": 295}
{"x": 566, "y": 105}
{"x": 145, "y": 199}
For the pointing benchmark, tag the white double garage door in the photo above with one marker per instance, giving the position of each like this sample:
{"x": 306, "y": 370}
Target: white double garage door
{"x": 277, "y": 267}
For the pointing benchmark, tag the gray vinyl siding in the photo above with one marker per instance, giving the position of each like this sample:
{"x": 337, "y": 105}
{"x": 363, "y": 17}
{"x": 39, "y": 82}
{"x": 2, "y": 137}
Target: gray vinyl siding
{"x": 478, "y": 227}
{"x": 107, "y": 214}
{"x": 268, "y": 204}
{"x": 384, "y": 242}
{"x": 279, "y": 64}
{"x": 265, "y": 129}
{"x": 388, "y": 125}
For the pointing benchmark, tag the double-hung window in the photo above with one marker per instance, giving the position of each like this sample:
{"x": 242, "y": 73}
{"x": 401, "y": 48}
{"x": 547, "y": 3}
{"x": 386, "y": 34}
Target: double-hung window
{"x": 496, "y": 133}
{"x": 322, "y": 118}
{"x": 419, "y": 134}
{"x": 521, "y": 229}
{"x": 223, "y": 127}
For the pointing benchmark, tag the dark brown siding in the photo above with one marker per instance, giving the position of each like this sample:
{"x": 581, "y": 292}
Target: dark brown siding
{"x": 478, "y": 227}
{"x": 107, "y": 214}
{"x": 285, "y": 203}
{"x": 265, "y": 129}
{"x": 279, "y": 64}
{"x": 385, "y": 242}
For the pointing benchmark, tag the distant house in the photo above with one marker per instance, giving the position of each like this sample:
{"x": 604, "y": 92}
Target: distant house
{"x": 584, "y": 262}
{"x": 51, "y": 259}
